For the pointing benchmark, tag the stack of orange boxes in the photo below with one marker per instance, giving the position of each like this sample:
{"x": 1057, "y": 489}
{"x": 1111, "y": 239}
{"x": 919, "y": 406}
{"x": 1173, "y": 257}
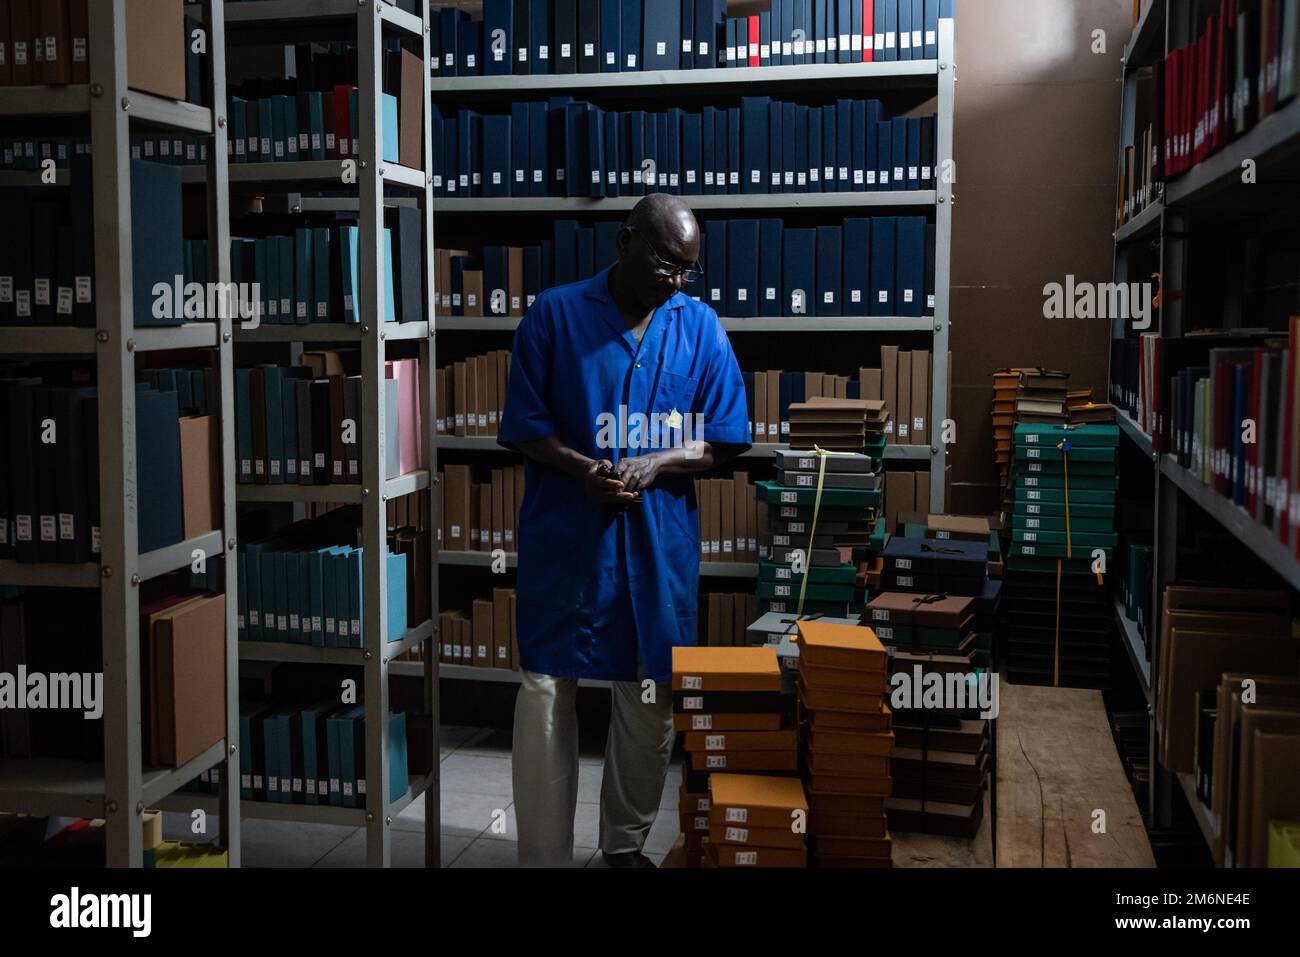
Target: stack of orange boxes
{"x": 728, "y": 703}
{"x": 757, "y": 821}
{"x": 846, "y": 742}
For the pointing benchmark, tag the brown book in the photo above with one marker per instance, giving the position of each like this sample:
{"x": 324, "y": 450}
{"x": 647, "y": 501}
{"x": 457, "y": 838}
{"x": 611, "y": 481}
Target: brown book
{"x": 889, "y": 364}
{"x": 869, "y": 383}
{"x": 200, "y": 475}
{"x": 515, "y": 280}
{"x": 440, "y": 400}
{"x": 920, "y": 400}
{"x": 498, "y": 509}
{"x": 727, "y": 520}
{"x": 501, "y": 627}
{"x": 456, "y": 505}
{"x": 773, "y": 406}
{"x": 508, "y": 509}
{"x": 483, "y": 643}
{"x": 54, "y": 37}
{"x": 472, "y": 283}
{"x": 726, "y": 619}
{"x": 903, "y": 402}
{"x": 826, "y": 645}
{"x": 471, "y": 395}
{"x": 6, "y": 46}
{"x": 79, "y": 40}
{"x": 459, "y": 424}
{"x": 189, "y": 648}
{"x": 411, "y": 109}
{"x": 484, "y": 516}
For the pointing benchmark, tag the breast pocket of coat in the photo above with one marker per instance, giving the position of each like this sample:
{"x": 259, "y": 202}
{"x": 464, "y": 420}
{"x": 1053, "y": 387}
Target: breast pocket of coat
{"x": 671, "y": 417}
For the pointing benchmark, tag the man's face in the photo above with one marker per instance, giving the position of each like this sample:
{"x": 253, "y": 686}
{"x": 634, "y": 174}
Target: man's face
{"x": 647, "y": 254}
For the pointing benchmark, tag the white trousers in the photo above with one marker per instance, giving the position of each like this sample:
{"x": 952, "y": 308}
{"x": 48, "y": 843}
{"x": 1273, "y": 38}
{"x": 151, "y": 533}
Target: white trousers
{"x": 545, "y": 768}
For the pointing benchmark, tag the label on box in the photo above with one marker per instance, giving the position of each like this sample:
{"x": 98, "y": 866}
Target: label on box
{"x": 747, "y": 858}
{"x": 905, "y": 581}
{"x": 715, "y": 742}
{"x": 701, "y": 722}
{"x": 903, "y": 564}
{"x": 880, "y": 614}
{"x": 737, "y": 835}
{"x": 789, "y": 498}
{"x": 885, "y": 633}
{"x": 689, "y": 682}
{"x": 714, "y": 761}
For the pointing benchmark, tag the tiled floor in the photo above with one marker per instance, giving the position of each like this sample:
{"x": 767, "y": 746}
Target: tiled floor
{"x": 476, "y": 791}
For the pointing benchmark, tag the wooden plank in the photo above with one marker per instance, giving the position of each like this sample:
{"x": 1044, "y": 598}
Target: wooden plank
{"x": 1057, "y": 764}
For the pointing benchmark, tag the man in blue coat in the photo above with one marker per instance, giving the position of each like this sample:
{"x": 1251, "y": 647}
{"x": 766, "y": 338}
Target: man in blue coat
{"x": 621, "y": 389}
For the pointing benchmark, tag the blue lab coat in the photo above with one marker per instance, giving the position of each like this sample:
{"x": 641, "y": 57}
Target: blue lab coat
{"x": 596, "y": 584}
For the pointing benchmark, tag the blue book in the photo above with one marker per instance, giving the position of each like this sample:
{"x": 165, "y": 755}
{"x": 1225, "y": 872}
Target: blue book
{"x": 898, "y": 140}
{"x": 931, "y": 29}
{"x": 156, "y": 247}
{"x": 742, "y": 268}
{"x": 844, "y": 28}
{"x": 498, "y": 37}
{"x": 799, "y": 271}
{"x": 661, "y": 43}
{"x": 586, "y": 252}
{"x": 158, "y": 469}
{"x": 241, "y": 621}
{"x": 814, "y": 138}
{"x": 770, "y": 233}
{"x": 720, "y": 152}
{"x": 334, "y": 727}
{"x": 390, "y": 291}
{"x": 672, "y": 154}
{"x": 289, "y": 416}
{"x": 611, "y": 30}
{"x": 650, "y": 165}
{"x": 475, "y": 154}
{"x": 630, "y": 23}
{"x": 904, "y": 8}
{"x": 316, "y": 597}
{"x": 355, "y": 593}
{"x": 399, "y": 777}
{"x": 565, "y": 245}
{"x": 800, "y": 135}
{"x": 315, "y": 763}
{"x": 819, "y": 31}
{"x": 929, "y": 269}
{"x": 801, "y": 31}
{"x": 786, "y": 32}
{"x": 396, "y": 597}
{"x": 497, "y": 144}
{"x": 946, "y": 10}
{"x": 451, "y": 156}
{"x": 606, "y": 244}
{"x": 830, "y": 149}
{"x": 830, "y": 279}
{"x": 855, "y": 31}
{"x": 918, "y": 29}
{"x": 538, "y": 117}
{"x": 304, "y": 290}
{"x": 465, "y": 167}
{"x": 284, "y": 745}
{"x": 692, "y": 170}
{"x": 469, "y": 47}
{"x": 887, "y": 13}
{"x": 708, "y": 14}
{"x": 271, "y": 757}
{"x": 789, "y": 153}
{"x": 532, "y": 274}
{"x": 548, "y": 263}
{"x": 577, "y": 178}
{"x": 765, "y": 38}
{"x": 302, "y": 588}
{"x": 496, "y": 280}
{"x": 595, "y": 161}
{"x": 613, "y": 157}
{"x": 884, "y": 154}
{"x": 320, "y": 267}
{"x": 260, "y": 277}
{"x": 662, "y": 153}
{"x": 243, "y": 427}
{"x": 910, "y": 266}
{"x": 859, "y": 150}
{"x": 449, "y": 33}
{"x": 687, "y": 34}
{"x": 882, "y": 266}
{"x": 708, "y": 163}
{"x": 913, "y": 135}
{"x": 775, "y": 147}
{"x": 755, "y": 170}
{"x": 715, "y": 241}
{"x": 539, "y": 37}
{"x": 246, "y": 714}
{"x": 857, "y": 267}
{"x": 253, "y": 580}
{"x": 844, "y": 146}
{"x": 733, "y": 150}
{"x": 270, "y": 596}
{"x": 874, "y": 114}
{"x": 518, "y": 163}
{"x": 330, "y": 597}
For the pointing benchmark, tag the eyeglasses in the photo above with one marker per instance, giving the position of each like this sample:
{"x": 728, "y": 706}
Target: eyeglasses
{"x": 665, "y": 269}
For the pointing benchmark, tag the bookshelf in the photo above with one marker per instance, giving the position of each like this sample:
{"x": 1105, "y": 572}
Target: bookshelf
{"x": 121, "y": 788}
{"x": 1202, "y": 208}
{"x": 920, "y": 80}
{"x": 377, "y": 185}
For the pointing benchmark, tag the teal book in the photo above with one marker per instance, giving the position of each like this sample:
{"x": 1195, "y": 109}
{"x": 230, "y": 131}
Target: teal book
{"x": 398, "y": 775}
{"x": 265, "y": 126}
{"x": 271, "y": 757}
{"x": 253, "y": 582}
{"x": 284, "y": 284}
{"x": 397, "y": 623}
{"x": 330, "y": 596}
{"x": 349, "y": 237}
{"x": 278, "y": 132}
{"x": 275, "y": 423}
{"x": 267, "y": 574}
{"x": 320, "y": 257}
{"x": 316, "y": 119}
{"x": 390, "y": 306}
{"x": 303, "y": 281}
{"x": 289, "y": 114}
{"x": 243, "y": 427}
{"x": 388, "y": 110}
{"x": 352, "y": 768}
{"x": 333, "y": 756}
{"x": 311, "y": 722}
{"x": 355, "y": 591}
{"x": 269, "y": 280}
{"x": 284, "y": 742}
{"x": 289, "y": 423}
{"x": 315, "y": 596}
{"x": 241, "y": 622}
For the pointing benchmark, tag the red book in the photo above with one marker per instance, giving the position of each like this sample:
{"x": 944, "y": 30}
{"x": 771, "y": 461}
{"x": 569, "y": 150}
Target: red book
{"x": 1189, "y": 105}
{"x": 1253, "y": 478}
{"x": 1171, "y": 85}
{"x": 868, "y": 31}
{"x": 342, "y": 122}
{"x": 1281, "y": 508}
{"x": 1219, "y": 117}
{"x": 1158, "y": 389}
{"x": 753, "y": 41}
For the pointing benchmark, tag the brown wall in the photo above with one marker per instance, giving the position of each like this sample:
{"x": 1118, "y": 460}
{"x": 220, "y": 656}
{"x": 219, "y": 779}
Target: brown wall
{"x": 1037, "y": 128}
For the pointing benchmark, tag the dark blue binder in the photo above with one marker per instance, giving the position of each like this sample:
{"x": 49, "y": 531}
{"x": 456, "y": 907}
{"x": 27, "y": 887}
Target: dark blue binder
{"x": 844, "y": 146}
{"x": 630, "y": 43}
{"x": 946, "y": 10}
{"x": 814, "y": 120}
{"x": 820, "y": 31}
{"x": 929, "y": 269}
{"x": 789, "y": 154}
{"x": 931, "y": 29}
{"x": 158, "y": 469}
{"x": 875, "y": 113}
{"x": 497, "y": 142}
{"x": 830, "y": 149}
{"x": 733, "y": 150}
{"x": 856, "y": 38}
{"x": 435, "y": 59}
{"x": 671, "y": 149}
{"x": 775, "y": 148}
{"x": 521, "y": 53}
{"x": 594, "y": 119}
{"x": 496, "y": 280}
{"x": 687, "y": 42}
{"x": 539, "y": 38}
{"x": 918, "y": 29}
{"x": 889, "y": 16}
{"x": 532, "y": 274}
{"x": 765, "y": 38}
{"x": 611, "y": 34}
{"x": 855, "y": 299}
{"x": 692, "y": 132}
{"x": 913, "y": 153}
{"x": 625, "y": 160}
{"x": 742, "y": 268}
{"x": 275, "y": 432}
{"x": 909, "y": 282}
{"x": 904, "y": 8}
{"x": 613, "y": 155}
{"x": 770, "y": 233}
{"x": 754, "y": 157}
{"x": 465, "y": 166}
{"x": 801, "y": 158}
{"x": 801, "y": 31}
{"x": 882, "y": 265}
{"x": 289, "y": 418}
{"x": 637, "y": 150}
{"x": 898, "y": 141}
{"x": 589, "y": 43}
{"x": 519, "y": 169}
{"x": 721, "y": 151}
{"x": 243, "y": 428}
{"x": 661, "y": 46}
{"x": 799, "y": 271}
{"x": 785, "y": 31}
{"x": 709, "y": 15}
{"x": 844, "y": 28}
{"x": 469, "y": 47}
{"x": 708, "y": 165}
{"x": 566, "y": 251}
{"x": 885, "y": 155}
{"x": 606, "y": 244}
{"x": 564, "y": 49}
{"x": 451, "y": 156}
{"x": 715, "y": 241}
{"x": 449, "y": 21}
{"x": 156, "y": 251}
{"x": 650, "y": 164}
{"x": 538, "y": 149}
{"x": 830, "y": 241}
{"x": 859, "y": 151}
{"x": 498, "y": 37}
{"x": 476, "y": 154}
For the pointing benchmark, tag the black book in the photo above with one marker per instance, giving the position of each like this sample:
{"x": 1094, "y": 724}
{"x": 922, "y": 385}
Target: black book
{"x": 44, "y": 251}
{"x": 320, "y": 432}
{"x": 564, "y": 53}
{"x": 521, "y": 27}
{"x": 306, "y": 435}
{"x": 71, "y": 489}
{"x": 352, "y": 410}
{"x": 23, "y": 438}
{"x": 589, "y": 52}
{"x": 407, "y": 224}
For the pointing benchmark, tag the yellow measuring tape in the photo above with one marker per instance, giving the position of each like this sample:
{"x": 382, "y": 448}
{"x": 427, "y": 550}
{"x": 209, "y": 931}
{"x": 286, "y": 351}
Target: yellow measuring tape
{"x": 822, "y": 456}
{"x": 1064, "y": 446}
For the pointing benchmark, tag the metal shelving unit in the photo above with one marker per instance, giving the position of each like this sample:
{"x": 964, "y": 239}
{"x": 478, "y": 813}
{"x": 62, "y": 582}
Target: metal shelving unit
{"x": 1206, "y": 197}
{"x": 262, "y": 21}
{"x": 122, "y": 787}
{"x": 767, "y": 201}
{"x": 488, "y": 443}
{"x": 878, "y": 324}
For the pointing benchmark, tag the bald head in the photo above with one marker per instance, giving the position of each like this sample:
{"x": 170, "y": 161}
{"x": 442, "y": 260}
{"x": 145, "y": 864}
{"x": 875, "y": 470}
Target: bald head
{"x": 658, "y": 241}
{"x": 669, "y": 224}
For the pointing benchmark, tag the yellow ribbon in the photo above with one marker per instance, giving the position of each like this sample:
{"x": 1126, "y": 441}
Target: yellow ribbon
{"x": 822, "y": 456}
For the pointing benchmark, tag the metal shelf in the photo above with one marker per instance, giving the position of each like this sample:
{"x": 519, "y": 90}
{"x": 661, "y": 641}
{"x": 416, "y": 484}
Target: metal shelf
{"x": 476, "y": 673}
{"x": 187, "y": 801}
{"x": 476, "y": 559}
{"x": 345, "y": 494}
{"x": 160, "y": 782}
{"x": 919, "y": 74}
{"x": 1145, "y": 222}
{"x": 761, "y": 450}
{"x": 880, "y": 324}
{"x": 49, "y": 574}
{"x": 282, "y": 652}
{"x": 46, "y": 340}
{"x": 191, "y": 335}
{"x": 578, "y": 204}
{"x": 20, "y": 178}
{"x": 1272, "y": 143}
{"x": 1204, "y": 819}
{"x": 1134, "y": 433}
{"x": 288, "y": 12}
{"x": 171, "y": 114}
{"x": 1147, "y": 42}
{"x": 402, "y": 175}
{"x": 330, "y": 332}
{"x": 172, "y": 558}
{"x": 1133, "y": 645}
{"x": 1235, "y": 520}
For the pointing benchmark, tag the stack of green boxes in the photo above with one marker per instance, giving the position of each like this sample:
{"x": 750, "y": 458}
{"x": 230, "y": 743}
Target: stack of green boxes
{"x": 1063, "y": 485}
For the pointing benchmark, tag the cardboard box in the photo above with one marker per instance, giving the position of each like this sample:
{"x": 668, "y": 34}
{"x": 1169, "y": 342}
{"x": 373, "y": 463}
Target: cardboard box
{"x": 889, "y": 387}
{"x": 508, "y": 509}
{"x": 921, "y": 497}
{"x": 515, "y": 280}
{"x": 472, "y": 284}
{"x": 759, "y": 425}
{"x": 456, "y": 508}
{"x": 734, "y": 741}
{"x": 492, "y": 382}
{"x": 823, "y": 645}
{"x": 501, "y": 627}
{"x": 498, "y": 509}
{"x": 727, "y": 520}
{"x": 732, "y": 856}
{"x": 155, "y": 47}
{"x": 739, "y": 835}
{"x": 900, "y": 497}
{"x": 726, "y": 669}
{"x": 740, "y": 517}
{"x": 683, "y": 721}
{"x": 483, "y": 643}
{"x": 755, "y": 800}
{"x": 869, "y": 384}
{"x": 200, "y": 475}
{"x": 484, "y": 491}
{"x": 903, "y": 400}
{"x": 920, "y": 397}
{"x": 774, "y": 433}
{"x": 188, "y": 655}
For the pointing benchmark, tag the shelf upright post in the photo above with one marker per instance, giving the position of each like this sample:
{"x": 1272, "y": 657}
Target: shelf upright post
{"x": 942, "y": 265}
{"x": 429, "y": 411}
{"x": 114, "y": 305}
{"x": 372, "y": 307}
{"x": 218, "y": 195}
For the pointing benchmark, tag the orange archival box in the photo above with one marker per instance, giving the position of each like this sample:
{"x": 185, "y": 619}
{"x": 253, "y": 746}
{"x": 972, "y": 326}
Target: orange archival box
{"x": 845, "y": 720}
{"x": 726, "y": 669}
{"x": 729, "y": 855}
{"x": 821, "y": 699}
{"x": 787, "y": 760}
{"x": 880, "y": 744}
{"x": 842, "y": 679}
{"x": 742, "y": 741}
{"x": 824, "y": 645}
{"x": 755, "y": 800}
{"x": 741, "y": 835}
{"x": 726, "y": 722}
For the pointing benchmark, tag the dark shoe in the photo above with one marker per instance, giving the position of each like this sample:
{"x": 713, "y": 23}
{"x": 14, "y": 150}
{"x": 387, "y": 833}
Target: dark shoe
{"x": 628, "y": 859}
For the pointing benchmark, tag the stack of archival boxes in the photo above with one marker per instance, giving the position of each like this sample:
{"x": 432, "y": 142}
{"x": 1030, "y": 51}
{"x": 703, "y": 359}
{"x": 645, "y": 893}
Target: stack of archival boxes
{"x": 1063, "y": 515}
{"x": 1006, "y": 385}
{"x": 729, "y": 704}
{"x": 849, "y": 431}
{"x": 926, "y": 618}
{"x": 845, "y": 742}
